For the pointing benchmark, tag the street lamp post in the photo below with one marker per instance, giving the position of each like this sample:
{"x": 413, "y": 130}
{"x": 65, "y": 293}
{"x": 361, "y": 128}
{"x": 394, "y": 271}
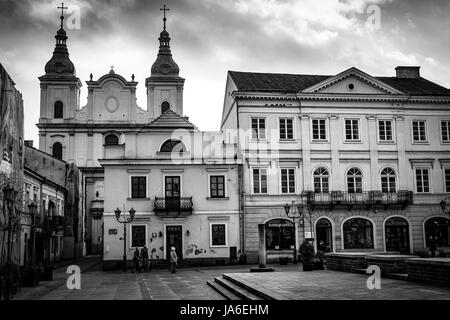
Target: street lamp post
{"x": 125, "y": 221}
{"x": 294, "y": 215}
{"x": 32, "y": 209}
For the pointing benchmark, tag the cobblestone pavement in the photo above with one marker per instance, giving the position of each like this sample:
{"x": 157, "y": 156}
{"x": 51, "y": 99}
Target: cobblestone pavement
{"x": 288, "y": 281}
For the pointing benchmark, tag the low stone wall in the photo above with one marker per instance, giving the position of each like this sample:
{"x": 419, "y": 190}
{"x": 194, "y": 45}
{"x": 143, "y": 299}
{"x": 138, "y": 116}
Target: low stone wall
{"x": 429, "y": 270}
{"x": 389, "y": 263}
{"x": 347, "y": 262}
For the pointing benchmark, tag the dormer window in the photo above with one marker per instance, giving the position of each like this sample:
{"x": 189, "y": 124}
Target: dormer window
{"x": 58, "y": 110}
{"x": 173, "y": 146}
{"x": 111, "y": 140}
{"x": 165, "y": 106}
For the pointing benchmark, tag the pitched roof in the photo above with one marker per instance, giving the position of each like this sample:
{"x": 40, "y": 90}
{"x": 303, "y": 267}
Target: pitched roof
{"x": 279, "y": 82}
{"x": 170, "y": 119}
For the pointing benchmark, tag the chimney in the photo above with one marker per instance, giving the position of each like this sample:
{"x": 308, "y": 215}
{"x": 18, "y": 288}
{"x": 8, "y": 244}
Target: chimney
{"x": 404, "y": 72}
{"x": 29, "y": 143}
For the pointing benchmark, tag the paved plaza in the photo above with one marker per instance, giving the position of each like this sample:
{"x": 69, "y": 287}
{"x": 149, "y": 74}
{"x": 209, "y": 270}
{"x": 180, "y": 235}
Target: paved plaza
{"x": 287, "y": 282}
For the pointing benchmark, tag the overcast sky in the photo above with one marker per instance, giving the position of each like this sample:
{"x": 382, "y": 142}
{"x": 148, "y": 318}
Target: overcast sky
{"x": 210, "y": 37}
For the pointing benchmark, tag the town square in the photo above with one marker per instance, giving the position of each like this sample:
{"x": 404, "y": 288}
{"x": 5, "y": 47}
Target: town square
{"x": 255, "y": 150}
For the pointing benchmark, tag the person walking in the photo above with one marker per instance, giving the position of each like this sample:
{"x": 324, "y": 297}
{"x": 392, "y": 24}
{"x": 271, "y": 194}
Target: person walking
{"x": 173, "y": 260}
{"x": 144, "y": 258}
{"x": 136, "y": 266}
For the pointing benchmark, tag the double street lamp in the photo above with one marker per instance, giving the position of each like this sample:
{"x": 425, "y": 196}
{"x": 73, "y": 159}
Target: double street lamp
{"x": 296, "y": 214}
{"x": 125, "y": 221}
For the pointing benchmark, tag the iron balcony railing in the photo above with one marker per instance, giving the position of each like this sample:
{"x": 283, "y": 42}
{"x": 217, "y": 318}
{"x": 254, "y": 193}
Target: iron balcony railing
{"x": 173, "y": 206}
{"x": 368, "y": 198}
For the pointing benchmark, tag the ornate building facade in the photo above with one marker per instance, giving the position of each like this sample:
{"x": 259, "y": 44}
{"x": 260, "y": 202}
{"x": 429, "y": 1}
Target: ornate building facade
{"x": 363, "y": 160}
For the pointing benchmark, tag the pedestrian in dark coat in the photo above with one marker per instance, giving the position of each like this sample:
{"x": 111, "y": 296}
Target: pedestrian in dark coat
{"x": 136, "y": 257}
{"x": 144, "y": 258}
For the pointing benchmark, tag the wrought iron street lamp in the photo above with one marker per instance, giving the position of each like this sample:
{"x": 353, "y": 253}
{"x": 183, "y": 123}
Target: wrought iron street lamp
{"x": 125, "y": 221}
{"x": 296, "y": 214}
{"x": 32, "y": 209}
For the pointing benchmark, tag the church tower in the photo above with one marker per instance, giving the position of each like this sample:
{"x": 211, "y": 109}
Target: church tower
{"x": 60, "y": 95}
{"x": 165, "y": 86}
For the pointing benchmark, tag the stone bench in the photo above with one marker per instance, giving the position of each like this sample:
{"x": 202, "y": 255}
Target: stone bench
{"x": 429, "y": 270}
{"x": 347, "y": 261}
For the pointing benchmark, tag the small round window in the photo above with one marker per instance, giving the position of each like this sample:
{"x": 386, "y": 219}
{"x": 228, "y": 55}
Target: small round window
{"x": 351, "y": 86}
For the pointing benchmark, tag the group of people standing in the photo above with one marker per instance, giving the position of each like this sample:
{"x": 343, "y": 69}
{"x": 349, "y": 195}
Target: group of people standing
{"x": 142, "y": 263}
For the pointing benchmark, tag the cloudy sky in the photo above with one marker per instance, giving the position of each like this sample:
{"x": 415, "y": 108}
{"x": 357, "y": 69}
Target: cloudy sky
{"x": 210, "y": 37}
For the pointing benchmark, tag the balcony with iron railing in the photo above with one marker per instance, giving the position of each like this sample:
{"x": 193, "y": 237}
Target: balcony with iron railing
{"x": 375, "y": 198}
{"x": 168, "y": 207}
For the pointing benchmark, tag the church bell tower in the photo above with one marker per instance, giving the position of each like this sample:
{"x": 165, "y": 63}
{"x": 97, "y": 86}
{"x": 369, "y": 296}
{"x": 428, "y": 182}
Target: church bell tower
{"x": 164, "y": 86}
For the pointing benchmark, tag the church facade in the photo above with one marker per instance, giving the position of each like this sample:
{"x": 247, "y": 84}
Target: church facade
{"x": 358, "y": 162}
{"x": 126, "y": 154}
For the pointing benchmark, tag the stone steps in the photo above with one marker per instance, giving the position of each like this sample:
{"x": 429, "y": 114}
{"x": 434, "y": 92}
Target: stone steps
{"x": 236, "y": 288}
{"x": 227, "y": 294}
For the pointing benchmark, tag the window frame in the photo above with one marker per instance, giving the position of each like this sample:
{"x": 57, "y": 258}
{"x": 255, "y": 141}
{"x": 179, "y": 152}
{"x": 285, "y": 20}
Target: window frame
{"x": 62, "y": 150}
{"x": 328, "y": 176}
{"x": 388, "y": 182}
{"x": 392, "y": 131}
{"x": 354, "y": 177}
{"x": 131, "y": 235}
{"x": 446, "y": 187}
{"x": 442, "y": 133}
{"x": 288, "y": 180}
{"x": 312, "y": 130}
{"x": 62, "y": 110}
{"x": 224, "y": 185}
{"x": 259, "y": 180}
{"x": 286, "y": 128}
{"x": 259, "y": 135}
{"x": 416, "y": 189}
{"x": 352, "y": 126}
{"x": 426, "y": 141}
{"x": 211, "y": 245}
{"x": 131, "y": 186}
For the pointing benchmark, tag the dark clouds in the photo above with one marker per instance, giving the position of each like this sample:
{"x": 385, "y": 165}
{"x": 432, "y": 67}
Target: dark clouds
{"x": 210, "y": 37}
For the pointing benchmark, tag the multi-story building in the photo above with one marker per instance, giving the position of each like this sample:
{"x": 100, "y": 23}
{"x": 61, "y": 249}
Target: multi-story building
{"x": 365, "y": 160}
{"x": 11, "y": 165}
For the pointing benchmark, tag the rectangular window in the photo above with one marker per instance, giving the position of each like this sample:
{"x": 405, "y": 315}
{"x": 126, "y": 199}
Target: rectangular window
{"x": 217, "y": 186}
{"x": 385, "y": 130}
{"x": 288, "y": 180}
{"x": 447, "y": 180}
{"x": 352, "y": 129}
{"x": 138, "y": 187}
{"x": 419, "y": 131}
{"x": 138, "y": 237}
{"x": 286, "y": 129}
{"x": 258, "y": 128}
{"x": 445, "y": 131}
{"x": 260, "y": 181}
{"x": 218, "y": 235}
{"x": 319, "y": 131}
{"x": 422, "y": 180}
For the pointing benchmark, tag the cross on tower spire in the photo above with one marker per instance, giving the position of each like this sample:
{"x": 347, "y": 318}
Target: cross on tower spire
{"x": 165, "y": 19}
{"x": 62, "y": 12}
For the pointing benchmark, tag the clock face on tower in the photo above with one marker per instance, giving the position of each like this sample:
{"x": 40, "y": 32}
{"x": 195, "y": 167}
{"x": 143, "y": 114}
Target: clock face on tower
{"x": 59, "y": 67}
{"x": 164, "y": 69}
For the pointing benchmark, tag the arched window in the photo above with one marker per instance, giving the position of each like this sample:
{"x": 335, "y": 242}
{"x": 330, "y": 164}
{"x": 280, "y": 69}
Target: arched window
{"x": 354, "y": 180}
{"x": 279, "y": 234}
{"x": 437, "y": 230}
{"x": 358, "y": 234}
{"x": 58, "y": 110}
{"x": 397, "y": 234}
{"x": 164, "y": 107}
{"x": 173, "y": 146}
{"x": 57, "y": 150}
{"x": 388, "y": 180}
{"x": 321, "y": 181}
{"x": 324, "y": 234}
{"x": 111, "y": 140}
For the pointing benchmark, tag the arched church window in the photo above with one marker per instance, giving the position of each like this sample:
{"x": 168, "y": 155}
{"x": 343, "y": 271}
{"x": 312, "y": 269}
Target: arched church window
{"x": 111, "y": 140}
{"x": 164, "y": 107}
{"x": 173, "y": 146}
{"x": 57, "y": 150}
{"x": 58, "y": 110}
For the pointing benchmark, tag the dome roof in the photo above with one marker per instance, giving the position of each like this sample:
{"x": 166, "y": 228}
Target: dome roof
{"x": 60, "y": 63}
